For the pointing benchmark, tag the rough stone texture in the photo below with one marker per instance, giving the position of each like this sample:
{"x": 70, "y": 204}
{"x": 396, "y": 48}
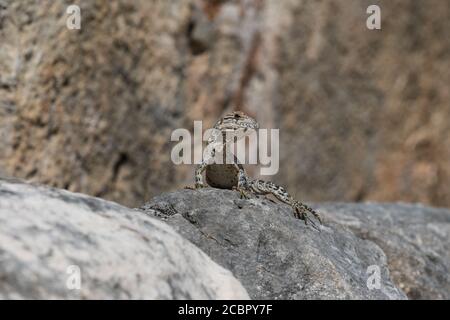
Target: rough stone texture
{"x": 276, "y": 256}
{"x": 372, "y": 105}
{"x": 415, "y": 239}
{"x": 122, "y": 253}
{"x": 92, "y": 110}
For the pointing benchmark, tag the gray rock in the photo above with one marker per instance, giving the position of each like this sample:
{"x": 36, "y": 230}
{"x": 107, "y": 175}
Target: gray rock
{"x": 274, "y": 255}
{"x": 363, "y": 115}
{"x": 120, "y": 253}
{"x": 415, "y": 239}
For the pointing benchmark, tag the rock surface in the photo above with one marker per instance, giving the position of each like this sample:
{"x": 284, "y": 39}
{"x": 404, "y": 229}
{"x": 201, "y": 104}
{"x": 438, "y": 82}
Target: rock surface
{"x": 92, "y": 110}
{"x": 415, "y": 239}
{"x": 121, "y": 253}
{"x": 278, "y": 257}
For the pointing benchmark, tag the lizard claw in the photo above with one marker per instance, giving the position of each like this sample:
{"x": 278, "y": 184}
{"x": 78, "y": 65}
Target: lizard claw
{"x": 242, "y": 193}
{"x": 301, "y": 212}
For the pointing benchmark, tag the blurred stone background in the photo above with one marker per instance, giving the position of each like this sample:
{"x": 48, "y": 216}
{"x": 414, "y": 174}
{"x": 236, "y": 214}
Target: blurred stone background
{"x": 363, "y": 115}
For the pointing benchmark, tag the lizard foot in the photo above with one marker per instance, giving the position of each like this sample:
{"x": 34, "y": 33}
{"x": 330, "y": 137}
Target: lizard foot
{"x": 301, "y": 212}
{"x": 242, "y": 193}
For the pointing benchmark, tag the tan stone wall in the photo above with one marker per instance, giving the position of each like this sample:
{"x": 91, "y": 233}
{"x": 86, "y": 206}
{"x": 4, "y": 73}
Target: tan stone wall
{"x": 363, "y": 115}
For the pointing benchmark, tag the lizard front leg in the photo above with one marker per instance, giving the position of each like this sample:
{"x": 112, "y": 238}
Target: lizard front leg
{"x": 242, "y": 185}
{"x": 199, "y": 176}
{"x": 301, "y": 210}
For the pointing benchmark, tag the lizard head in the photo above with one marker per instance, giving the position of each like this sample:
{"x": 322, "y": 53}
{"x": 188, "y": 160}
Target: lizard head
{"x": 236, "y": 121}
{"x": 232, "y": 127}
{"x": 235, "y": 126}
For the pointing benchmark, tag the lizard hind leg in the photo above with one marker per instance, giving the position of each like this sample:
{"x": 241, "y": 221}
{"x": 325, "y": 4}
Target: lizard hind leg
{"x": 301, "y": 211}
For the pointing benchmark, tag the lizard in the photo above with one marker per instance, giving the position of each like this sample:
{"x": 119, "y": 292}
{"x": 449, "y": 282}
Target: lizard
{"x": 232, "y": 176}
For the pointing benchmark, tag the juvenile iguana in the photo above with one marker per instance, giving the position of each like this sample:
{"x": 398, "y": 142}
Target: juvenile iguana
{"x": 232, "y": 176}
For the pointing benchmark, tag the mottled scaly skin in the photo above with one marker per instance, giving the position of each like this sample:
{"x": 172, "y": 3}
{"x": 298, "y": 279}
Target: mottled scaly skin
{"x": 233, "y": 176}
{"x": 260, "y": 187}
